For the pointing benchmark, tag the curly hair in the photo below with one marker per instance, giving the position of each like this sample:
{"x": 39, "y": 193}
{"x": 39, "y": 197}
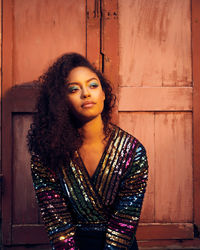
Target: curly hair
{"x": 54, "y": 135}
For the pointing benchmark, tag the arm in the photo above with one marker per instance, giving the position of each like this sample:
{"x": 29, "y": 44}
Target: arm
{"x": 54, "y": 209}
{"x": 123, "y": 223}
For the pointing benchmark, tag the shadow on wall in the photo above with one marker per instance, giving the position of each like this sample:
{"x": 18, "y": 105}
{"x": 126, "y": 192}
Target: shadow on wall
{"x": 21, "y": 225}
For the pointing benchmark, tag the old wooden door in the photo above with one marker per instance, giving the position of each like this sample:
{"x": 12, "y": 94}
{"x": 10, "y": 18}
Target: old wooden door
{"x": 157, "y": 106}
{"x": 34, "y": 34}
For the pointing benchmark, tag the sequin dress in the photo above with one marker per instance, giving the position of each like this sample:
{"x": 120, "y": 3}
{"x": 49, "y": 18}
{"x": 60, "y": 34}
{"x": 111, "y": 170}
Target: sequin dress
{"x": 109, "y": 203}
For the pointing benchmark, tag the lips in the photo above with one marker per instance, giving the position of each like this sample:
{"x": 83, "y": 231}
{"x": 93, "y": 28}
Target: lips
{"x": 88, "y": 104}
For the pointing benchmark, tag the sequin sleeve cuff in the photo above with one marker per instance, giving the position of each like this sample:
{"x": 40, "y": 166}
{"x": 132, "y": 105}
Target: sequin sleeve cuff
{"x": 123, "y": 223}
{"x": 53, "y": 206}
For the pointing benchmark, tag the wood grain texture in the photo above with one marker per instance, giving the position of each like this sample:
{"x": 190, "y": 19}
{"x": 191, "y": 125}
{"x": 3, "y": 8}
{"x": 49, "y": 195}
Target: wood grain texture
{"x": 23, "y": 99}
{"x": 110, "y": 46}
{"x": 7, "y": 46}
{"x": 155, "y": 42}
{"x": 0, "y": 78}
{"x": 134, "y": 124}
{"x": 155, "y": 99}
{"x": 33, "y": 234}
{"x": 34, "y": 34}
{"x": 173, "y": 167}
{"x": 25, "y": 209}
{"x": 155, "y": 231}
{"x": 93, "y": 33}
{"x": 145, "y": 232}
{"x": 196, "y": 106}
{"x": 6, "y": 169}
{"x": 24, "y": 247}
{"x": 1, "y": 175}
{"x": 168, "y": 140}
{"x": 43, "y": 30}
{"x": 170, "y": 244}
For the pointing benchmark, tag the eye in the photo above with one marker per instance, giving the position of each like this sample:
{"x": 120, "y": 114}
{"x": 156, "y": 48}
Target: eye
{"x": 72, "y": 88}
{"x": 93, "y": 85}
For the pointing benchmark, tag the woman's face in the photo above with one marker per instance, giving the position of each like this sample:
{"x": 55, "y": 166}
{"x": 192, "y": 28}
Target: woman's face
{"x": 85, "y": 95}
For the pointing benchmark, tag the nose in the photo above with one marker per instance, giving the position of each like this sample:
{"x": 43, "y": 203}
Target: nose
{"x": 85, "y": 93}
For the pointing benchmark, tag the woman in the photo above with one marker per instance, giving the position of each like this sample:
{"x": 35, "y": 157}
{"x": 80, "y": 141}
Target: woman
{"x": 89, "y": 175}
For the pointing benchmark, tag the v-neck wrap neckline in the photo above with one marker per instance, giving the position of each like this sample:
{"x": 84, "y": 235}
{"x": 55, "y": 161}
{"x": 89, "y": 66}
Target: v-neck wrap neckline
{"x": 78, "y": 155}
{"x": 93, "y": 197}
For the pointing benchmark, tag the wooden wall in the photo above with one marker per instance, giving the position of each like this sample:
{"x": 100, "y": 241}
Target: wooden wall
{"x": 156, "y": 105}
{"x": 153, "y": 78}
{"x": 156, "y": 100}
{"x": 35, "y": 33}
{"x": 0, "y": 127}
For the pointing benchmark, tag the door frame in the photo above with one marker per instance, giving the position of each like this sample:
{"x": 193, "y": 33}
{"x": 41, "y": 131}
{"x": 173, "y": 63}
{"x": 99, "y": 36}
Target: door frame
{"x": 196, "y": 110}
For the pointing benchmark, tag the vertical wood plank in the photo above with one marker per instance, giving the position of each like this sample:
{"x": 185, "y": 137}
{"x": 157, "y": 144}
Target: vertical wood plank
{"x": 44, "y": 30}
{"x": 1, "y": 72}
{"x": 6, "y": 170}
{"x": 110, "y": 45}
{"x": 34, "y": 33}
{"x": 173, "y": 171}
{"x": 93, "y": 33}
{"x": 196, "y": 105}
{"x": 155, "y": 42}
{"x": 7, "y": 78}
{"x": 25, "y": 209}
{"x": 1, "y": 176}
{"x": 7, "y": 46}
{"x": 133, "y": 122}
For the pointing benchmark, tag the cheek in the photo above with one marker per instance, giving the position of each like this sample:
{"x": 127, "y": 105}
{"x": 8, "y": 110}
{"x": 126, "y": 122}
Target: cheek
{"x": 72, "y": 102}
{"x": 101, "y": 100}
{"x": 102, "y": 96}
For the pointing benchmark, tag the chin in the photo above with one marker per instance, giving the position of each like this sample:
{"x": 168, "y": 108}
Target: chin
{"x": 87, "y": 118}
{"x": 87, "y": 115}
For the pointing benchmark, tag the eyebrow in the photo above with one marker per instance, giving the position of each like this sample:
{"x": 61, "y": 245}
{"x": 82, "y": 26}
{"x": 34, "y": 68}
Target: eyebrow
{"x": 93, "y": 78}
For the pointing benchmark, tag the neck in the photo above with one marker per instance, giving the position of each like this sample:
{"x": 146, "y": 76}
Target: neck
{"x": 92, "y": 131}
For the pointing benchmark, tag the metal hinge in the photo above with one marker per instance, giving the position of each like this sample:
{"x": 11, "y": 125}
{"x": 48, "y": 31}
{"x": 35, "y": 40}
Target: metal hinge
{"x": 95, "y": 12}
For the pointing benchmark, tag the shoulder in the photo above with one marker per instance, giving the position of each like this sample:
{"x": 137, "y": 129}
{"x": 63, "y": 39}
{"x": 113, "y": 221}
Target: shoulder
{"x": 131, "y": 140}
{"x": 39, "y": 167}
{"x": 36, "y": 162}
{"x": 132, "y": 152}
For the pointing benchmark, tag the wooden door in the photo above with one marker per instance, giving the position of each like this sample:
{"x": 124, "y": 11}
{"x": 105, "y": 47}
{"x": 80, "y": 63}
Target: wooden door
{"x": 34, "y": 34}
{"x": 156, "y": 105}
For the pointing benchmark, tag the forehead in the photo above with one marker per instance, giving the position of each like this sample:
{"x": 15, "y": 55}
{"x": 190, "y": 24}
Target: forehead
{"x": 81, "y": 73}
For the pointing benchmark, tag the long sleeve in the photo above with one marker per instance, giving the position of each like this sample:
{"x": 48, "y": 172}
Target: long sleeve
{"x": 53, "y": 206}
{"x": 123, "y": 223}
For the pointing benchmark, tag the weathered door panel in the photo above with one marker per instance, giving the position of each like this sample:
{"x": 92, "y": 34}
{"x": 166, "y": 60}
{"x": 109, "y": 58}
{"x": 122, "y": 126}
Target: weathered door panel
{"x": 156, "y": 104}
{"x": 195, "y": 8}
{"x": 25, "y": 210}
{"x": 173, "y": 164}
{"x": 131, "y": 122}
{"x": 34, "y": 34}
{"x": 21, "y": 221}
{"x": 157, "y": 35}
{"x": 44, "y": 30}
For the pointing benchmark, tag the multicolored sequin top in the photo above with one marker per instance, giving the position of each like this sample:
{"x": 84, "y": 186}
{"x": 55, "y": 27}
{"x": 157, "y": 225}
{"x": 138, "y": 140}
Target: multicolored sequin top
{"x": 110, "y": 200}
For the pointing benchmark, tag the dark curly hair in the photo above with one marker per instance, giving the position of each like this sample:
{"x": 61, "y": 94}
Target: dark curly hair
{"x": 54, "y": 135}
